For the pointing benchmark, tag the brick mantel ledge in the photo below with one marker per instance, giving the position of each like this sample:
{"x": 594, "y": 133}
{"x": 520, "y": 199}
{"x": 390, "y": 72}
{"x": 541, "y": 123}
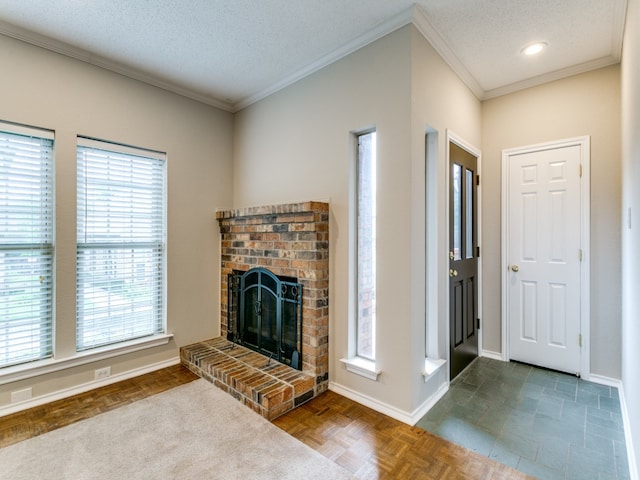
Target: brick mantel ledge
{"x": 301, "y": 207}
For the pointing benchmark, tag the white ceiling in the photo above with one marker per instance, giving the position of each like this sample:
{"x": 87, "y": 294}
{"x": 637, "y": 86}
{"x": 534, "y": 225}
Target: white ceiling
{"x": 231, "y": 53}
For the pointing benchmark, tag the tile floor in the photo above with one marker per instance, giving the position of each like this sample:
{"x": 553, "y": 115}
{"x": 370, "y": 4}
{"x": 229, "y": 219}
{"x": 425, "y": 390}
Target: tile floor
{"x": 544, "y": 423}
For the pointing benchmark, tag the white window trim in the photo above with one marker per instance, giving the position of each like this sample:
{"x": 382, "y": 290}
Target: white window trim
{"x": 433, "y": 363}
{"x": 432, "y": 366}
{"x": 363, "y": 359}
{"x": 20, "y": 129}
{"x": 355, "y": 364}
{"x": 34, "y": 369}
{"x": 47, "y": 134}
{"x": 362, "y": 366}
{"x": 89, "y": 142}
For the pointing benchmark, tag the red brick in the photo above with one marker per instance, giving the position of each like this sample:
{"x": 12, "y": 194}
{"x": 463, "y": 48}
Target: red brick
{"x": 308, "y": 234}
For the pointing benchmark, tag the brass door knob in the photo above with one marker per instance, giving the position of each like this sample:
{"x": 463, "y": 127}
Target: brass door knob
{"x": 515, "y": 268}
{"x": 453, "y": 273}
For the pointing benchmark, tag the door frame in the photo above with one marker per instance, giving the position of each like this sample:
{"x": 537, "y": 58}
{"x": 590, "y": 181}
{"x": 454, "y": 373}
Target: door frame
{"x": 453, "y": 138}
{"x": 585, "y": 212}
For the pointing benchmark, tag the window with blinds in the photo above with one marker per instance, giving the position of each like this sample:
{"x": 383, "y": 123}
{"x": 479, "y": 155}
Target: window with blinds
{"x": 26, "y": 244}
{"x": 121, "y": 235}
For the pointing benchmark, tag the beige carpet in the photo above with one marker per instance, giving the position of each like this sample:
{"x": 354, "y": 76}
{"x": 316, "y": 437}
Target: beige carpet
{"x": 191, "y": 432}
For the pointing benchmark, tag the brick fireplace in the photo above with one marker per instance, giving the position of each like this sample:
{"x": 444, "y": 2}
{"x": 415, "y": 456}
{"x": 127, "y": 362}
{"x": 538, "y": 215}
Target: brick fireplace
{"x": 290, "y": 240}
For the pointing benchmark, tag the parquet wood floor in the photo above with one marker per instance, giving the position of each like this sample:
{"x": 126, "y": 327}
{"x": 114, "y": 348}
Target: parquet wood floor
{"x": 371, "y": 445}
{"x": 375, "y": 447}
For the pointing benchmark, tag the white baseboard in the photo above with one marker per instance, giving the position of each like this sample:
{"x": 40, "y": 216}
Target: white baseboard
{"x": 85, "y": 387}
{"x": 370, "y": 402}
{"x": 410, "y": 418}
{"x": 628, "y": 440}
{"x": 602, "y": 380}
{"x": 429, "y": 403}
{"x": 493, "y": 355}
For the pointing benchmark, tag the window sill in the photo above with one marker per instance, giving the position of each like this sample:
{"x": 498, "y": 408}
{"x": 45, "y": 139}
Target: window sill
{"x": 363, "y": 367}
{"x": 431, "y": 367}
{"x": 29, "y": 370}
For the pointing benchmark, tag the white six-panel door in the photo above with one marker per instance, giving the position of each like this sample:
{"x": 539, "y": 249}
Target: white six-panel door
{"x": 543, "y": 257}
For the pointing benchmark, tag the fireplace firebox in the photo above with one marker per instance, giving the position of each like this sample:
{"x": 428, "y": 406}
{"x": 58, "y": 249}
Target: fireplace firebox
{"x": 265, "y": 314}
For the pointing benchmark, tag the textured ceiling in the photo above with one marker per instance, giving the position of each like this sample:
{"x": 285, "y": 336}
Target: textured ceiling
{"x": 230, "y": 53}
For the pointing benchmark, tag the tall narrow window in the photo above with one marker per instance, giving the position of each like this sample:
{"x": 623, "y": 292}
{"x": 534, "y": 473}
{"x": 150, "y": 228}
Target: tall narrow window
{"x": 26, "y": 244}
{"x": 121, "y": 243}
{"x": 366, "y": 245}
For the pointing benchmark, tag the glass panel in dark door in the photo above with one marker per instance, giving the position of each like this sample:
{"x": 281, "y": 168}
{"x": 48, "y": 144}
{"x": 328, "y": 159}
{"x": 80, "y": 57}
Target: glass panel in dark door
{"x": 463, "y": 263}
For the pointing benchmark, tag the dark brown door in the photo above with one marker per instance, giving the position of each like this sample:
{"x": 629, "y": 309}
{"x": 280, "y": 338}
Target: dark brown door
{"x": 463, "y": 259}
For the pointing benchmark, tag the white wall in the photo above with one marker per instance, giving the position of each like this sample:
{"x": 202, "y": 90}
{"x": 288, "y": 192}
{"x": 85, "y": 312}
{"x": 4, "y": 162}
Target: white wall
{"x": 441, "y": 103}
{"x": 296, "y": 145}
{"x": 586, "y": 104}
{"x": 48, "y": 90}
{"x": 631, "y": 233}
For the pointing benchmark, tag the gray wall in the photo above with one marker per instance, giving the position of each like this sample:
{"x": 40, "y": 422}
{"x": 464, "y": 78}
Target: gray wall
{"x": 586, "y": 104}
{"x": 48, "y": 90}
{"x": 400, "y": 85}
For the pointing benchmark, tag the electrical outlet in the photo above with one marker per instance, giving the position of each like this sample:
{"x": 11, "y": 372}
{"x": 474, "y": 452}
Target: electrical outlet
{"x": 21, "y": 395}
{"x": 101, "y": 373}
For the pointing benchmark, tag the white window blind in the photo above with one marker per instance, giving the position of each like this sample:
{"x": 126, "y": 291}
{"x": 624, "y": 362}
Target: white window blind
{"x": 120, "y": 243}
{"x": 26, "y": 244}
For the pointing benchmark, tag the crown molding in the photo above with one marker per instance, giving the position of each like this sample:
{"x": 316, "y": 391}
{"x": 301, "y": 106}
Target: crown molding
{"x": 86, "y": 56}
{"x": 136, "y": 74}
{"x": 414, "y": 15}
{"x": 619, "y": 20}
{"x": 384, "y": 28}
{"x": 432, "y": 35}
{"x": 9, "y": 30}
{"x": 437, "y": 41}
{"x": 550, "y": 77}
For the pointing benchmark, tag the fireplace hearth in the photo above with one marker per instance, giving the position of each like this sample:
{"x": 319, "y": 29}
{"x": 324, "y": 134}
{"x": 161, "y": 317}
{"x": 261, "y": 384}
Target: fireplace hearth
{"x": 287, "y": 246}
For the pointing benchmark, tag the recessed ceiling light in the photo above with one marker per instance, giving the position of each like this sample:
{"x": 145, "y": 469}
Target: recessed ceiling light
{"x": 534, "y": 48}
